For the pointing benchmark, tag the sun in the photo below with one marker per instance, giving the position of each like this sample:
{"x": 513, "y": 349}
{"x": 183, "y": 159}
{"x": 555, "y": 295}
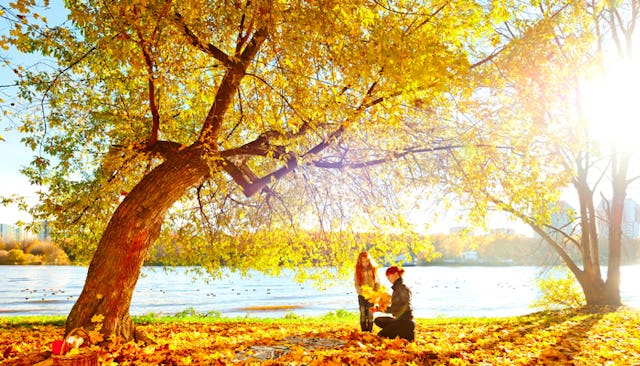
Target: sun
{"x": 611, "y": 103}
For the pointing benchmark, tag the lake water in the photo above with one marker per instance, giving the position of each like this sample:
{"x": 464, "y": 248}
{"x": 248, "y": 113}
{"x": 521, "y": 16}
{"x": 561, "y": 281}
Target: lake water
{"x": 437, "y": 292}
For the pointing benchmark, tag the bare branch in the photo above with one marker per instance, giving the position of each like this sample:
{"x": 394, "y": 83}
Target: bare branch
{"x": 153, "y": 137}
{"x": 631, "y": 180}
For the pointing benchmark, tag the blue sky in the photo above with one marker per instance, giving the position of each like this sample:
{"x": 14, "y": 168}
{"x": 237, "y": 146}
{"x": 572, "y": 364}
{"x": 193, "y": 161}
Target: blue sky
{"x": 14, "y": 157}
{"x": 14, "y": 154}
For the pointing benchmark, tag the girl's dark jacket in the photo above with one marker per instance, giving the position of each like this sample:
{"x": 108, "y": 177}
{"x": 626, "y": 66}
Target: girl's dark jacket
{"x": 400, "y": 306}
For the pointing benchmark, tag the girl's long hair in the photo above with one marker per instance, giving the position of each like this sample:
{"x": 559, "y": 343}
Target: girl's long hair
{"x": 373, "y": 267}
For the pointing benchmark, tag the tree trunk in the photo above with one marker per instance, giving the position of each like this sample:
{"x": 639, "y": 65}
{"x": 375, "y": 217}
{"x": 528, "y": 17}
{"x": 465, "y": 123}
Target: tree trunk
{"x": 135, "y": 225}
{"x": 619, "y": 186}
{"x": 597, "y": 292}
{"x": 615, "y": 236}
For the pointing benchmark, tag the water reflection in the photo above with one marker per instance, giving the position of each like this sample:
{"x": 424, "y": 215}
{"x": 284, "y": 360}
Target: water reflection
{"x": 438, "y": 291}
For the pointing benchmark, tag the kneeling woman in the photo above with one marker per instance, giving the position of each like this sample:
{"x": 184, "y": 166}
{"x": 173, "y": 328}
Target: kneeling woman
{"x": 401, "y": 324}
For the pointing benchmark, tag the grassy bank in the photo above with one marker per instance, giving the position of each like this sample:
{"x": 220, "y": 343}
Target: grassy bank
{"x": 588, "y": 336}
{"x": 191, "y": 316}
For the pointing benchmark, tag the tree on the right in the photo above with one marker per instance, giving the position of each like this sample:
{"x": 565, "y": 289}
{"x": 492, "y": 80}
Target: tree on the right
{"x": 552, "y": 135}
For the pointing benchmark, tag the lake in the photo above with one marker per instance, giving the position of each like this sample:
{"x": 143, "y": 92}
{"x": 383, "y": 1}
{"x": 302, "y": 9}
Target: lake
{"x": 437, "y": 292}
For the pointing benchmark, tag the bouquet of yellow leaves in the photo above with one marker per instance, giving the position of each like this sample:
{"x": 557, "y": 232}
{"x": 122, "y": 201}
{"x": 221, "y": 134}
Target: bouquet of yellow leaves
{"x": 379, "y": 298}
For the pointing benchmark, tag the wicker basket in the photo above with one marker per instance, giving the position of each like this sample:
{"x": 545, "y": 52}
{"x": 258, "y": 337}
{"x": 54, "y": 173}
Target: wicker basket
{"x": 84, "y": 358}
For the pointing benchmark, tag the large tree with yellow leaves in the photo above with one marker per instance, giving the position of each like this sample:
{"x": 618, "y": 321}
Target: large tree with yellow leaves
{"x": 193, "y": 112}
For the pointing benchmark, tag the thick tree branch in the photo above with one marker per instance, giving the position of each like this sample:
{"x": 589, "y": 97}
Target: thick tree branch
{"x": 206, "y": 48}
{"x": 252, "y": 185}
{"x": 228, "y": 86}
{"x": 236, "y": 174}
{"x": 261, "y": 146}
{"x": 255, "y": 186}
{"x": 167, "y": 149}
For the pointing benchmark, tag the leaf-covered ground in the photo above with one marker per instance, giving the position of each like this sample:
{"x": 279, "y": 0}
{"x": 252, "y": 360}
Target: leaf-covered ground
{"x": 576, "y": 337}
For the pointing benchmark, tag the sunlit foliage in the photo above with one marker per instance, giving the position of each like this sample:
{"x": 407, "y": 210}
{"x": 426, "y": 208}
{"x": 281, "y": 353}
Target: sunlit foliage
{"x": 559, "y": 289}
{"x": 333, "y": 90}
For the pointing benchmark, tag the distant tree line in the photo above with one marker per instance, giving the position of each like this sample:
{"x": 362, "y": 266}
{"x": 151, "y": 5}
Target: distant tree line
{"x": 498, "y": 249}
{"x": 445, "y": 249}
{"x": 31, "y": 252}
{"x": 448, "y": 249}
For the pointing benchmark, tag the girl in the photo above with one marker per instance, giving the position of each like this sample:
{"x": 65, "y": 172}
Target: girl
{"x": 366, "y": 275}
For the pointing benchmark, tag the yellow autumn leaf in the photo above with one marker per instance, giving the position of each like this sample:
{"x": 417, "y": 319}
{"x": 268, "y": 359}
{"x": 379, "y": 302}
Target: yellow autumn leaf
{"x": 72, "y": 352}
{"x": 98, "y": 318}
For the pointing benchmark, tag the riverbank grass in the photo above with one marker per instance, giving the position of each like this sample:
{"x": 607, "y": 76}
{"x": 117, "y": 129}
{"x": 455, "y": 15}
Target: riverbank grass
{"x": 586, "y": 336}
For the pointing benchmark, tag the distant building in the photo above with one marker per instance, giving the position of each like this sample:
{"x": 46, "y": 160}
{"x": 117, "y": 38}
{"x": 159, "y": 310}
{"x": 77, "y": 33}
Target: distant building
{"x": 469, "y": 256}
{"x": 12, "y": 233}
{"x": 458, "y": 229}
{"x": 7, "y": 232}
{"x": 561, "y": 218}
{"x": 630, "y": 219}
{"x": 43, "y": 232}
{"x": 503, "y": 231}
